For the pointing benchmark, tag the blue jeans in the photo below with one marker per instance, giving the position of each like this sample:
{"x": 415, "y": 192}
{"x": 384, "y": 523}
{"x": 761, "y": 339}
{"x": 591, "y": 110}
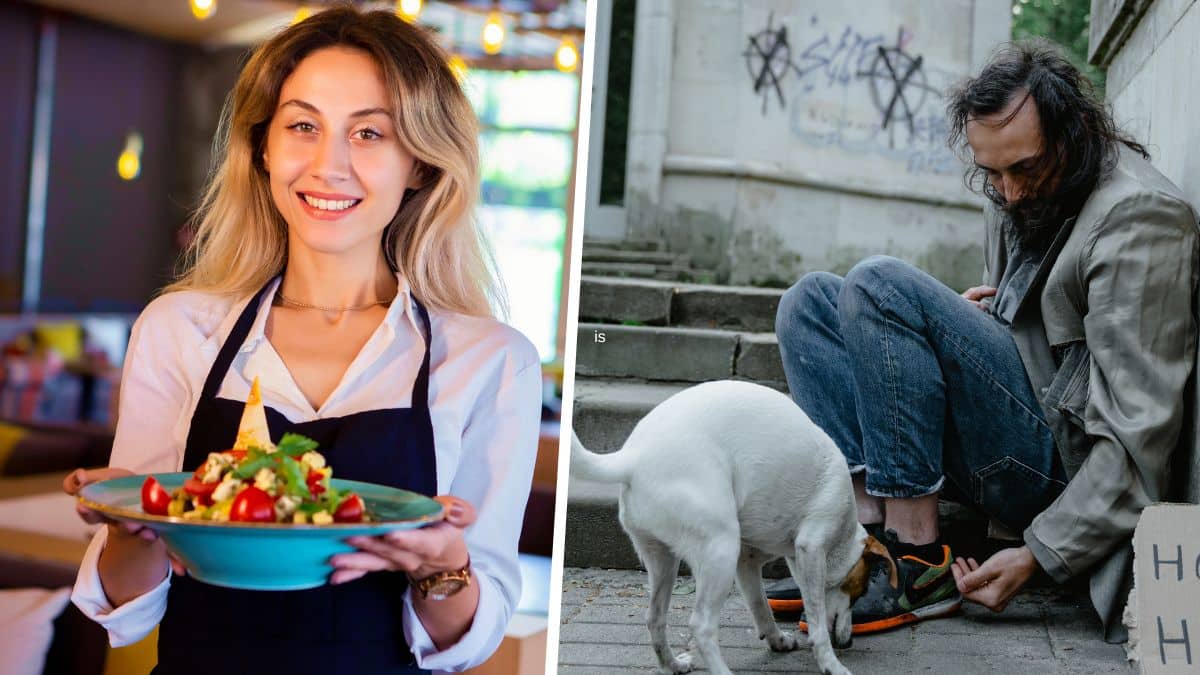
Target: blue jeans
{"x": 919, "y": 388}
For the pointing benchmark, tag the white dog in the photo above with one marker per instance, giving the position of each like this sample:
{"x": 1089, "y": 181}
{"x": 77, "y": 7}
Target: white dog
{"x": 728, "y": 476}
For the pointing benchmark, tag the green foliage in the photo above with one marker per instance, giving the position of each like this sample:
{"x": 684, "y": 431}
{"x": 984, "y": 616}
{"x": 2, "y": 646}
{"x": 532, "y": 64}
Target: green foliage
{"x": 1064, "y": 22}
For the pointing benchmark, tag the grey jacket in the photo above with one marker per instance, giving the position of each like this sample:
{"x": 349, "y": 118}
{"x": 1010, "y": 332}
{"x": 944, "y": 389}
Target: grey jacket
{"x": 1121, "y": 282}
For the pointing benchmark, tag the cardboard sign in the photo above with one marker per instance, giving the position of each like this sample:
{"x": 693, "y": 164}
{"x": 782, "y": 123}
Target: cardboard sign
{"x": 1167, "y": 578}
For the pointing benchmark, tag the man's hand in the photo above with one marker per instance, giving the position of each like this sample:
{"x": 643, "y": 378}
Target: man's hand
{"x": 977, "y": 293}
{"x": 994, "y": 583}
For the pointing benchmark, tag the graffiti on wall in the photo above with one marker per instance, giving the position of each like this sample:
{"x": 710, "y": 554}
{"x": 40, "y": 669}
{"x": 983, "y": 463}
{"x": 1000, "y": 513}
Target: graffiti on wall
{"x": 825, "y": 82}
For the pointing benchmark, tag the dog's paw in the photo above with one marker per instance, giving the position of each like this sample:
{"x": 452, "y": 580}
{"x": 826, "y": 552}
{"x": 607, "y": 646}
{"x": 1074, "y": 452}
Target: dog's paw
{"x": 836, "y": 669}
{"x": 782, "y": 642}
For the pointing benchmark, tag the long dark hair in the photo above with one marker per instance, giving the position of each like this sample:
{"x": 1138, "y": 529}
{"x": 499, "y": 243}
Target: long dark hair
{"x": 1079, "y": 137}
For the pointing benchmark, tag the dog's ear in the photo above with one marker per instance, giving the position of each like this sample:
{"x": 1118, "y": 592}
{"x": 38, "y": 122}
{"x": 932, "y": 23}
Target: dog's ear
{"x": 876, "y": 549}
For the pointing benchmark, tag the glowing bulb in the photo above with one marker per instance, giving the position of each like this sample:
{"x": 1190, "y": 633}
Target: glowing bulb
{"x": 202, "y": 9}
{"x": 459, "y": 67}
{"x": 129, "y": 164}
{"x": 566, "y": 57}
{"x": 408, "y": 10}
{"x": 493, "y": 34}
{"x": 301, "y": 14}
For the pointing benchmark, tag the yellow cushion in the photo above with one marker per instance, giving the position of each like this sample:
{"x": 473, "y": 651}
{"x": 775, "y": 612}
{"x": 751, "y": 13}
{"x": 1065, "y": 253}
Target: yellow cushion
{"x": 10, "y": 435}
{"x": 138, "y": 658}
{"x": 65, "y": 337}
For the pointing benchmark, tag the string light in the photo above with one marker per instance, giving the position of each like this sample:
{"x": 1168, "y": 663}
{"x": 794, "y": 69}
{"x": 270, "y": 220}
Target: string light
{"x": 129, "y": 164}
{"x": 566, "y": 57}
{"x": 202, "y": 9}
{"x": 493, "y": 34}
{"x": 409, "y": 10}
{"x": 302, "y": 13}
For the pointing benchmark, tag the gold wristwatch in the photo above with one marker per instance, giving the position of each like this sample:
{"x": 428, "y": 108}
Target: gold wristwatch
{"x": 441, "y": 585}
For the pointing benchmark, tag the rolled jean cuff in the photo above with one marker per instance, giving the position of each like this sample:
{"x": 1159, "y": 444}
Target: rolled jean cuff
{"x": 904, "y": 492}
{"x": 856, "y": 469}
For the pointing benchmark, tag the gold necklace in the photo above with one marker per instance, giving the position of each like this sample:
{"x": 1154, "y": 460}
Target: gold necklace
{"x": 352, "y": 308}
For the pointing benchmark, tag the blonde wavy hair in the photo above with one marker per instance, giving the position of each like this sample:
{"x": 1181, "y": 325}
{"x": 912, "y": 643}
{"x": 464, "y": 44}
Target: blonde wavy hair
{"x": 241, "y": 238}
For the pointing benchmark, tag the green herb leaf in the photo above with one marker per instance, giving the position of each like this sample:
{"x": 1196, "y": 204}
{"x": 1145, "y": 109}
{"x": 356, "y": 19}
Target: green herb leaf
{"x": 251, "y": 466}
{"x": 293, "y": 478}
{"x": 294, "y": 445}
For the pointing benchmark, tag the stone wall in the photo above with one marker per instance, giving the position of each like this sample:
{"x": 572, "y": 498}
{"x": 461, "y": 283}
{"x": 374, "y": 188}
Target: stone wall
{"x": 772, "y": 137}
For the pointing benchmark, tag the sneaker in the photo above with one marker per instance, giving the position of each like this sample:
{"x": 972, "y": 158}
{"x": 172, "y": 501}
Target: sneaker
{"x": 926, "y": 590}
{"x": 783, "y": 596}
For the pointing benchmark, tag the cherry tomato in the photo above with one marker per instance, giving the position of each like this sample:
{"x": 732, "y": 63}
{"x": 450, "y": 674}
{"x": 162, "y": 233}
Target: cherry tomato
{"x": 252, "y": 505}
{"x": 315, "y": 486}
{"x": 350, "y": 510}
{"x": 155, "y": 499}
{"x": 200, "y": 490}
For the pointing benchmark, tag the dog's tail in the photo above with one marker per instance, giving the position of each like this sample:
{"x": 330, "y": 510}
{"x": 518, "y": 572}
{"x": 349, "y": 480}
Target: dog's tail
{"x": 605, "y": 468}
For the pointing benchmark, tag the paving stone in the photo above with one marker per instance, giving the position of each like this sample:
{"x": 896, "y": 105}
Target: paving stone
{"x": 642, "y": 270}
{"x": 608, "y": 635}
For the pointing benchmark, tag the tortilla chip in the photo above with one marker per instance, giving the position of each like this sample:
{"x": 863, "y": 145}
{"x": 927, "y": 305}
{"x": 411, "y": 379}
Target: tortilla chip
{"x": 253, "y": 431}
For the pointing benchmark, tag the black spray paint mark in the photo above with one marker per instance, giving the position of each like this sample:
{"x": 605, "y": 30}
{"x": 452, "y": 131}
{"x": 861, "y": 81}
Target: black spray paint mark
{"x": 768, "y": 60}
{"x": 894, "y": 76}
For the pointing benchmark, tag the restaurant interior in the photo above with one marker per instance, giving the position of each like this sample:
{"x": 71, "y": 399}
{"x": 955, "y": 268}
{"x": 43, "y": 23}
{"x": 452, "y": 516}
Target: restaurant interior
{"x": 111, "y": 113}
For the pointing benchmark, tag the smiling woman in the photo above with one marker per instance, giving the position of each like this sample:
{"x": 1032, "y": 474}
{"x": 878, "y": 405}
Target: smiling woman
{"x": 336, "y": 259}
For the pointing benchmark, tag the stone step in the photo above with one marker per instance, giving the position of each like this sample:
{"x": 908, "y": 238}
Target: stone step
{"x": 646, "y": 271}
{"x": 607, "y": 410}
{"x": 660, "y": 258}
{"x": 662, "y": 303}
{"x": 622, "y": 244}
{"x": 594, "y": 537}
{"x": 676, "y": 354}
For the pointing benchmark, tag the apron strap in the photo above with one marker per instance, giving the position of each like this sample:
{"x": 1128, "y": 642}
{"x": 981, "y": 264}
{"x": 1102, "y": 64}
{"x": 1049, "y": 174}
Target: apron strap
{"x": 237, "y": 337}
{"x": 420, "y": 395}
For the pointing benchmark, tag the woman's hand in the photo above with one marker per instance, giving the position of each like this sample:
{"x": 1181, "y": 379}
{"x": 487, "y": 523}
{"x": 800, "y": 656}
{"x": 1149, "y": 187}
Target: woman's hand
{"x": 118, "y": 531}
{"x": 419, "y": 553}
{"x": 994, "y": 583}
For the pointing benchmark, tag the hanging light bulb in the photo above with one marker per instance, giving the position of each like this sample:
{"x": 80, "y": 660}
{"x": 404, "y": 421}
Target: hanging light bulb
{"x": 566, "y": 57}
{"x": 408, "y": 10}
{"x": 493, "y": 34}
{"x": 301, "y": 14}
{"x": 202, "y": 9}
{"x": 129, "y": 164}
{"x": 459, "y": 67}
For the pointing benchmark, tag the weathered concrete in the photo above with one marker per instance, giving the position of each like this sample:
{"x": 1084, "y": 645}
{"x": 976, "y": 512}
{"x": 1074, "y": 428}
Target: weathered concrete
{"x": 758, "y": 358}
{"x": 603, "y": 631}
{"x": 653, "y": 302}
{"x": 729, "y": 307}
{"x": 607, "y": 410}
{"x": 677, "y": 354}
{"x": 616, "y": 300}
{"x": 647, "y": 257}
{"x": 820, "y": 157}
{"x": 641, "y": 270}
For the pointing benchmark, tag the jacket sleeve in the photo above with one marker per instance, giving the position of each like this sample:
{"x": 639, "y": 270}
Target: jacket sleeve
{"x": 1139, "y": 271}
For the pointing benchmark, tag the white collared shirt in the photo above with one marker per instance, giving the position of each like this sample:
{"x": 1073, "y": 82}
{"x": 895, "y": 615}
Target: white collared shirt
{"x": 484, "y": 399}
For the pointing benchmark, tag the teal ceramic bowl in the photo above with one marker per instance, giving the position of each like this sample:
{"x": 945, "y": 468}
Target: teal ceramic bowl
{"x": 261, "y": 556}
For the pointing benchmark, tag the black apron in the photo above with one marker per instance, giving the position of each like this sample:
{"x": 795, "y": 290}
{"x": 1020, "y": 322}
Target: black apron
{"x": 353, "y": 627}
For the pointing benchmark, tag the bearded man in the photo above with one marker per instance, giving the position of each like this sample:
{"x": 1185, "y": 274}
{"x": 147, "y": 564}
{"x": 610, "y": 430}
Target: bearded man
{"x": 1053, "y": 396}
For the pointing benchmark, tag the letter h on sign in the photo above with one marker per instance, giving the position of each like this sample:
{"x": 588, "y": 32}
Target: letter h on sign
{"x": 1163, "y": 642}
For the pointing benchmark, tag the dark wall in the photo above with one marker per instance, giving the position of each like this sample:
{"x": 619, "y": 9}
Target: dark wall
{"x": 110, "y": 243}
{"x": 18, "y": 56}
